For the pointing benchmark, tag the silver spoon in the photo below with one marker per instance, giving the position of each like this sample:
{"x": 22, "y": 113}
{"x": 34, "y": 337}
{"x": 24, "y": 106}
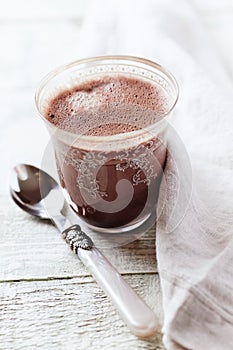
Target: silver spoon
{"x": 36, "y": 192}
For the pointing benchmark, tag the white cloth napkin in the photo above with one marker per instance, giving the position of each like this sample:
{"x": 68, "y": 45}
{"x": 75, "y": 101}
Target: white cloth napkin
{"x": 195, "y": 229}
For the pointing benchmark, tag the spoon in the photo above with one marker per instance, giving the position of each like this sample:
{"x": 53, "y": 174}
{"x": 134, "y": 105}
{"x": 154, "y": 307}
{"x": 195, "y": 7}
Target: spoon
{"x": 37, "y": 193}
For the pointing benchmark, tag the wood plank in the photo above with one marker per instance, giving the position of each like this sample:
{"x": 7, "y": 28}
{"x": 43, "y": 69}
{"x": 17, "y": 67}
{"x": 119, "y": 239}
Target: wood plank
{"x": 71, "y": 314}
{"x": 33, "y": 249}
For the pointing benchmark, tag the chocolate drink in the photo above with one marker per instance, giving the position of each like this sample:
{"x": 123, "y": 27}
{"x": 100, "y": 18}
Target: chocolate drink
{"x": 110, "y": 183}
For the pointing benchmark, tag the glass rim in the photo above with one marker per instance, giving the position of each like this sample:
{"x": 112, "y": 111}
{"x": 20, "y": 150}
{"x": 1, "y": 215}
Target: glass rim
{"x": 115, "y": 137}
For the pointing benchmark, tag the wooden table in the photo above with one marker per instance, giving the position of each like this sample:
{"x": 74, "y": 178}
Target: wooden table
{"x": 48, "y": 300}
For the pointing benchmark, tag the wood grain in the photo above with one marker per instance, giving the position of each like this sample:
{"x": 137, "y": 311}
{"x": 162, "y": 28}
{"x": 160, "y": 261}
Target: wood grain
{"x": 71, "y": 314}
{"x": 55, "y": 303}
{"x": 33, "y": 249}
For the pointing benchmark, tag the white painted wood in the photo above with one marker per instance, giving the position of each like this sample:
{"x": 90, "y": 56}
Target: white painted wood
{"x": 141, "y": 320}
{"x": 70, "y": 314}
{"x": 33, "y": 249}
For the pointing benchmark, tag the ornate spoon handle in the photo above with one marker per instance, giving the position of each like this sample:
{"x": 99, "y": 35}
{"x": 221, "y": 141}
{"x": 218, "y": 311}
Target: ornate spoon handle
{"x": 140, "y": 319}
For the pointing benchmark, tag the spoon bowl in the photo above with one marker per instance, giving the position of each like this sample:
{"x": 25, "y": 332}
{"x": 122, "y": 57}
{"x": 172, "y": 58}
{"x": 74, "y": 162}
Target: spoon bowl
{"x": 35, "y": 191}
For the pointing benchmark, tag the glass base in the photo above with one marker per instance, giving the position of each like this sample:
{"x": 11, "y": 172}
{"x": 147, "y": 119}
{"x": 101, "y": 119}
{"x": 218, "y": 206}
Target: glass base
{"x": 119, "y": 236}
{"x": 122, "y": 229}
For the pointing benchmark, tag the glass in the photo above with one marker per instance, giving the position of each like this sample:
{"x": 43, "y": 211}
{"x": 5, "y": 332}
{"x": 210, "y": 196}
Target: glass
{"x": 111, "y": 182}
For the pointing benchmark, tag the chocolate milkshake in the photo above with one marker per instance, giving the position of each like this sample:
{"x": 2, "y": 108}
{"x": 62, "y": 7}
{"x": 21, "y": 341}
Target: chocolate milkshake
{"x": 112, "y": 171}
